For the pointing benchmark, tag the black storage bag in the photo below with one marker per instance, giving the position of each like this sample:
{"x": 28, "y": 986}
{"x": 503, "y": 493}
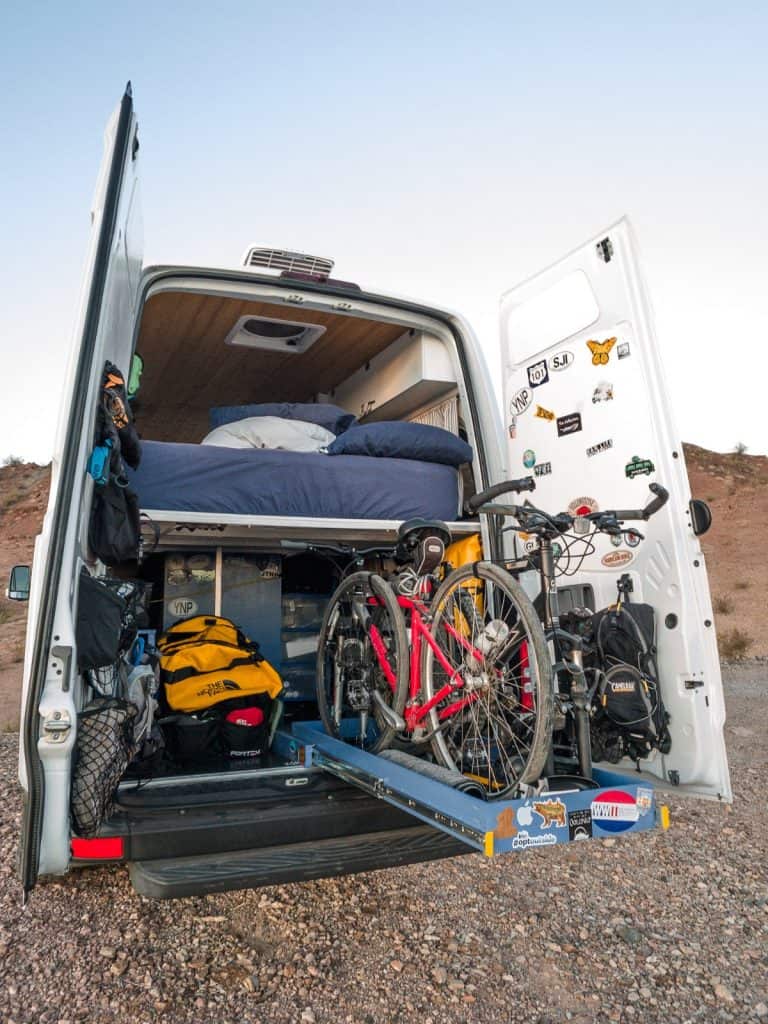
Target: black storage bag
{"x": 103, "y": 750}
{"x": 114, "y": 531}
{"x": 239, "y": 741}
{"x": 99, "y": 626}
{"x": 192, "y": 738}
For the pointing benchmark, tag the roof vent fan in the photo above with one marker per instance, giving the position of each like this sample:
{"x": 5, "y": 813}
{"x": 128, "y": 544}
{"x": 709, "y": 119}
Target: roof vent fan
{"x": 286, "y": 261}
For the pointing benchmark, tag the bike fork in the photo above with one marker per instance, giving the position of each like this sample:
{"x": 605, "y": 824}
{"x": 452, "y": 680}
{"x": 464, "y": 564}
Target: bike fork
{"x": 574, "y": 662}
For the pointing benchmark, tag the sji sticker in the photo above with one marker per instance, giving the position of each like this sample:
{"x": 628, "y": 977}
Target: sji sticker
{"x": 601, "y": 350}
{"x": 560, "y": 361}
{"x": 529, "y": 458}
{"x": 538, "y": 374}
{"x": 638, "y": 467}
{"x": 520, "y": 401}
{"x": 542, "y": 469}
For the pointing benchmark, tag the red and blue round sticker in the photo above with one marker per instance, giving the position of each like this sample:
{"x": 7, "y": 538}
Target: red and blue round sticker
{"x": 614, "y": 811}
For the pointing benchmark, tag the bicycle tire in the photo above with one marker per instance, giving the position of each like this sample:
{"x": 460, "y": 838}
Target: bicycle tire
{"x": 335, "y": 622}
{"x": 539, "y": 662}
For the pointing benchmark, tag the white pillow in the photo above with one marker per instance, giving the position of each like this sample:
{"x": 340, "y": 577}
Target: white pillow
{"x": 271, "y": 432}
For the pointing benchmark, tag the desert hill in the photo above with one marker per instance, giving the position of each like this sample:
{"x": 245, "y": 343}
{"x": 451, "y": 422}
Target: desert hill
{"x": 735, "y": 486}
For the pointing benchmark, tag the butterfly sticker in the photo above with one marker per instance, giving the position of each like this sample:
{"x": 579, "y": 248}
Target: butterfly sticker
{"x": 600, "y": 350}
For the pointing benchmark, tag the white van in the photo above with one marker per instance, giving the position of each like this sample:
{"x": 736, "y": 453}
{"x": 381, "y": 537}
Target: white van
{"x": 585, "y": 410}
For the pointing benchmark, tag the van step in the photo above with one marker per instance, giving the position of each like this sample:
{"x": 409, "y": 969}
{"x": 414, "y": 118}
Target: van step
{"x": 294, "y": 862}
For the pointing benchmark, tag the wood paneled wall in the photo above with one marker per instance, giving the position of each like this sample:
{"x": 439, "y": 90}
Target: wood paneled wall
{"x": 188, "y": 368}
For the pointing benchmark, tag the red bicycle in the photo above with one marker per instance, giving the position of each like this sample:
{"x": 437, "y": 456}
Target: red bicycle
{"x": 460, "y": 664}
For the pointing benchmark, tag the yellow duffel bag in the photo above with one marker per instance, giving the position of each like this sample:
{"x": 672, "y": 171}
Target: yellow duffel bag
{"x": 207, "y": 659}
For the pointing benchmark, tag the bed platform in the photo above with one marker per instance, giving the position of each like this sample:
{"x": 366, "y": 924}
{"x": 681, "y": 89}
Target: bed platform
{"x": 203, "y": 495}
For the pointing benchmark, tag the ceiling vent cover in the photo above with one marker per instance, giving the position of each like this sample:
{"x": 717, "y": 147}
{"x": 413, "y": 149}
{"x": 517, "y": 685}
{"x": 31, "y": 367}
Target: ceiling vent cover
{"x": 287, "y": 336}
{"x": 287, "y": 261}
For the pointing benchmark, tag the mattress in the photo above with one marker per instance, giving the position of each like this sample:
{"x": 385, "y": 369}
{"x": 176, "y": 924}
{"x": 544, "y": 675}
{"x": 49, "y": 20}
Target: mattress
{"x": 259, "y": 482}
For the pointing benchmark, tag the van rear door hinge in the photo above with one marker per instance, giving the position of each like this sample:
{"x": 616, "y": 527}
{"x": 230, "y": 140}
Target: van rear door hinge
{"x": 56, "y": 726}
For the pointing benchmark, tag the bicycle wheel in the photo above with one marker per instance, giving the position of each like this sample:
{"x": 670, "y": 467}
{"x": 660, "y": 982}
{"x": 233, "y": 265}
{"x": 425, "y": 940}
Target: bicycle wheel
{"x": 493, "y": 722}
{"x": 362, "y": 663}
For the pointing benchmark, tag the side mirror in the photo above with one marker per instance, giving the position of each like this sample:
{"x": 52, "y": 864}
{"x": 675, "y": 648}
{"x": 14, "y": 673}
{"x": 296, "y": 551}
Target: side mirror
{"x": 18, "y": 584}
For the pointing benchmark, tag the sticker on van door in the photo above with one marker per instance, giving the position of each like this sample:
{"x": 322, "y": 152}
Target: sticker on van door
{"x": 638, "y": 467}
{"x": 560, "y": 361}
{"x": 538, "y": 374}
{"x": 520, "y": 401}
{"x": 569, "y": 424}
{"x": 601, "y": 350}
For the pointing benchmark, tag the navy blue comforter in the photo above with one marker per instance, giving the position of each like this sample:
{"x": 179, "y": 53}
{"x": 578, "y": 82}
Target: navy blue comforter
{"x": 259, "y": 482}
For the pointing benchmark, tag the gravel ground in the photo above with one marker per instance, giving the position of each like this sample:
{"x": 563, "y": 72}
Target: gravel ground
{"x": 655, "y": 928}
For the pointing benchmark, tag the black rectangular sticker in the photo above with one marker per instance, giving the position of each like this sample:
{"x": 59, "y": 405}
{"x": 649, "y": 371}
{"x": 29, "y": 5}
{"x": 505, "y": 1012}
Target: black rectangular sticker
{"x": 580, "y": 824}
{"x": 569, "y": 424}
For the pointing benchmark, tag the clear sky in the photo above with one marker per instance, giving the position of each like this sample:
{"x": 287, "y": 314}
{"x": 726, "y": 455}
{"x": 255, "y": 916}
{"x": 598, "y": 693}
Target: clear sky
{"x": 441, "y": 150}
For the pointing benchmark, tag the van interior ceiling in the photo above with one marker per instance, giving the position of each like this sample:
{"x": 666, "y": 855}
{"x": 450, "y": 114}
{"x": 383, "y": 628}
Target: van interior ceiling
{"x": 189, "y": 367}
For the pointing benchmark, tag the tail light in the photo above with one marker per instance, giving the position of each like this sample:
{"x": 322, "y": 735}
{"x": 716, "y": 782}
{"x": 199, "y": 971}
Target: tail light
{"x": 526, "y": 682}
{"x": 107, "y": 848}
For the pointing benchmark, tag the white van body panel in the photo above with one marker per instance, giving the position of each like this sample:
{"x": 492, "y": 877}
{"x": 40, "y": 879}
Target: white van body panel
{"x": 57, "y": 695}
{"x": 584, "y": 396}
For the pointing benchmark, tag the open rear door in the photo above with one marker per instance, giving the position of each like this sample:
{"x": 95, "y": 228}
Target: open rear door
{"x": 587, "y": 412}
{"x": 104, "y": 330}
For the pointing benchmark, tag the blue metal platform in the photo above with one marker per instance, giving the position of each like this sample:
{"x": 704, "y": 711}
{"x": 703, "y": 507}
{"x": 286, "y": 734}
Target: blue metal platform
{"x": 618, "y": 807}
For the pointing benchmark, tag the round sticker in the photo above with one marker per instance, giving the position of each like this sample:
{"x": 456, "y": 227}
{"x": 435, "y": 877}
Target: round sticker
{"x": 614, "y": 811}
{"x": 633, "y": 538}
{"x": 583, "y": 506}
{"x": 529, "y": 458}
{"x": 520, "y": 401}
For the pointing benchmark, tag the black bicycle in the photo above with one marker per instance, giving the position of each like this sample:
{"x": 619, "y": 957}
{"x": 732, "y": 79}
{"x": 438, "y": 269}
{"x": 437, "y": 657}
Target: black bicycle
{"x": 572, "y": 691}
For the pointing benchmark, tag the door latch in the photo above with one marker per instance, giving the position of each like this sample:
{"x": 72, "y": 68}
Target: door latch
{"x": 56, "y": 726}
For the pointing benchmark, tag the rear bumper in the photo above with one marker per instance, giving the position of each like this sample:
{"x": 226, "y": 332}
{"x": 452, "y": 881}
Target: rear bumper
{"x": 294, "y": 862}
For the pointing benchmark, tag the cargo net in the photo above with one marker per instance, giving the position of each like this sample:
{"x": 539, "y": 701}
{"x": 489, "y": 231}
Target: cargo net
{"x": 104, "y": 748}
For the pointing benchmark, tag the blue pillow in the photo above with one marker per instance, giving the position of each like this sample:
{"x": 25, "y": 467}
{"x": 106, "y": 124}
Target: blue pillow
{"x": 399, "y": 440}
{"x": 329, "y": 416}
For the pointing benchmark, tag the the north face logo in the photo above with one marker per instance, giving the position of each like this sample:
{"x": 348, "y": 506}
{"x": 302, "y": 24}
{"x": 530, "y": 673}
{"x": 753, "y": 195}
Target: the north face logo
{"x": 220, "y": 686}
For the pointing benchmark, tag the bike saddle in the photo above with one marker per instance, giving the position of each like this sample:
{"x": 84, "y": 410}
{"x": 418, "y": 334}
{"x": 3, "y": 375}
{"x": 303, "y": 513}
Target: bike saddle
{"x": 422, "y": 542}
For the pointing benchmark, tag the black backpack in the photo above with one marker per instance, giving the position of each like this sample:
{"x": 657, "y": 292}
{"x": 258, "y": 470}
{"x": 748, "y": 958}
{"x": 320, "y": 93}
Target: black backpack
{"x": 630, "y": 718}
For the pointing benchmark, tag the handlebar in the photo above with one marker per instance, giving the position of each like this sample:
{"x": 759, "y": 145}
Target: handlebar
{"x": 563, "y": 521}
{"x": 527, "y": 483}
{"x": 653, "y": 506}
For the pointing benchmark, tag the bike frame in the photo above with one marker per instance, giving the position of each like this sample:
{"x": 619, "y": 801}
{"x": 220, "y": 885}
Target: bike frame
{"x": 415, "y": 710}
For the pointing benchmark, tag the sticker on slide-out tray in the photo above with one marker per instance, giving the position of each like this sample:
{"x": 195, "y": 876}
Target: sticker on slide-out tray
{"x": 523, "y": 840}
{"x": 644, "y": 799}
{"x": 614, "y": 811}
{"x": 580, "y": 824}
{"x": 551, "y": 812}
